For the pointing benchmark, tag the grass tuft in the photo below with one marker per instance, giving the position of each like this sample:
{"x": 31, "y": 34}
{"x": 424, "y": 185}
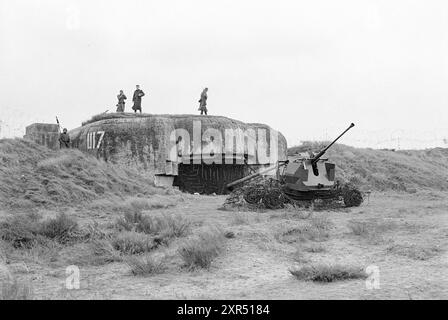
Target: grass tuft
{"x": 103, "y": 252}
{"x": 328, "y": 273}
{"x": 21, "y": 230}
{"x": 200, "y": 251}
{"x": 61, "y": 228}
{"x": 27, "y": 230}
{"x": 145, "y": 266}
{"x": 131, "y": 242}
{"x": 167, "y": 225}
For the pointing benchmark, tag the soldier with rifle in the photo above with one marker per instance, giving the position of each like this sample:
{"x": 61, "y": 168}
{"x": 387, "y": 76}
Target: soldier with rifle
{"x": 120, "y": 105}
{"x": 64, "y": 139}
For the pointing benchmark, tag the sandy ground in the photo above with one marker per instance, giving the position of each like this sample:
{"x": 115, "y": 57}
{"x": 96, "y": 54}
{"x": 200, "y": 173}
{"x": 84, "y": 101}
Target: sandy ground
{"x": 255, "y": 264}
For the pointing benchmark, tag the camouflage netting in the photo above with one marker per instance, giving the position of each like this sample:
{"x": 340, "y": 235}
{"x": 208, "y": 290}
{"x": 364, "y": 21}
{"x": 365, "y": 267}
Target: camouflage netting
{"x": 259, "y": 193}
{"x": 268, "y": 193}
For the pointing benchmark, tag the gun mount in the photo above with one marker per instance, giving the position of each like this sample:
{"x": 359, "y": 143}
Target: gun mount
{"x": 322, "y": 152}
{"x": 309, "y": 178}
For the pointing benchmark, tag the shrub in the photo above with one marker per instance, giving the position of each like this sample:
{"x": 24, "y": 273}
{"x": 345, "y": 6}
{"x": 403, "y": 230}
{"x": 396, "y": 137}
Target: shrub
{"x": 131, "y": 242}
{"x": 328, "y": 273}
{"x": 15, "y": 290}
{"x": 102, "y": 252}
{"x": 175, "y": 225}
{"x": 94, "y": 231}
{"x": 144, "y": 266}
{"x": 21, "y": 230}
{"x": 134, "y": 221}
{"x": 26, "y": 230}
{"x": 203, "y": 249}
{"x": 61, "y": 228}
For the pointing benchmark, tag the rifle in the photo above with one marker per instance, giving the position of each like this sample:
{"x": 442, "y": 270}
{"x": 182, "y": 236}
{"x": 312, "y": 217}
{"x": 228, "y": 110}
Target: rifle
{"x": 59, "y": 125}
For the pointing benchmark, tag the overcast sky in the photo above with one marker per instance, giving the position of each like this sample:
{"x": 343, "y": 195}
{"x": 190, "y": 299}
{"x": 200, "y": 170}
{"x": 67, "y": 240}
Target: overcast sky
{"x": 307, "y": 68}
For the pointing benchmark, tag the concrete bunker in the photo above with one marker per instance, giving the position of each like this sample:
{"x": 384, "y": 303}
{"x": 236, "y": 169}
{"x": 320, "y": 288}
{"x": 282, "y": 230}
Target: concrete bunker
{"x": 195, "y": 153}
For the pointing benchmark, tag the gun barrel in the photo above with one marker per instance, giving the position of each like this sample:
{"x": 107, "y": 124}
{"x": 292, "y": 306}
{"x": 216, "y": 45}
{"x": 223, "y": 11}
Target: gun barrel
{"x": 321, "y": 153}
{"x": 256, "y": 174}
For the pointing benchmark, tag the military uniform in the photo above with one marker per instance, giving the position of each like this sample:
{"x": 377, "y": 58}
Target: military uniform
{"x": 137, "y": 98}
{"x": 120, "y": 106}
{"x": 64, "y": 140}
{"x": 203, "y": 102}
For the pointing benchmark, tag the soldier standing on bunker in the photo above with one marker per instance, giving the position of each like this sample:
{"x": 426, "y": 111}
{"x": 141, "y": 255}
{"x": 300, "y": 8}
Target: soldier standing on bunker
{"x": 137, "y": 98}
{"x": 203, "y": 102}
{"x": 64, "y": 139}
{"x": 120, "y": 105}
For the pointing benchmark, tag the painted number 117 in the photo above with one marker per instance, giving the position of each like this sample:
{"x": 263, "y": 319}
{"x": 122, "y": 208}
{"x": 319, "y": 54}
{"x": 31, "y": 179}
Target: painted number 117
{"x": 94, "y": 139}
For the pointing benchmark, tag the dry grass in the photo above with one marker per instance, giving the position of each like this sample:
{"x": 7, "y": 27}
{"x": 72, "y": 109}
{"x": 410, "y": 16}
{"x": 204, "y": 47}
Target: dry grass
{"x": 371, "y": 230}
{"x": 328, "y": 273}
{"x": 62, "y": 228}
{"x": 166, "y": 225}
{"x": 131, "y": 242}
{"x": 239, "y": 219}
{"x": 47, "y": 252}
{"x": 415, "y": 252}
{"x": 21, "y": 230}
{"x": 314, "y": 248}
{"x": 28, "y": 230}
{"x": 315, "y": 230}
{"x": 299, "y": 256}
{"x": 200, "y": 251}
{"x": 98, "y": 252}
{"x": 138, "y": 203}
{"x": 359, "y": 228}
{"x": 33, "y": 175}
{"x": 321, "y": 222}
{"x": 145, "y": 266}
{"x": 15, "y": 290}
{"x": 155, "y": 202}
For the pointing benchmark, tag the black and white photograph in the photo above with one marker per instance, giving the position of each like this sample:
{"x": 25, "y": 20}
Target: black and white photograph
{"x": 243, "y": 152}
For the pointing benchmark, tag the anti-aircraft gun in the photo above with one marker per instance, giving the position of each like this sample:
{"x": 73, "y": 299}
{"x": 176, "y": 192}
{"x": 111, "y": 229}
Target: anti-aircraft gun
{"x": 308, "y": 176}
